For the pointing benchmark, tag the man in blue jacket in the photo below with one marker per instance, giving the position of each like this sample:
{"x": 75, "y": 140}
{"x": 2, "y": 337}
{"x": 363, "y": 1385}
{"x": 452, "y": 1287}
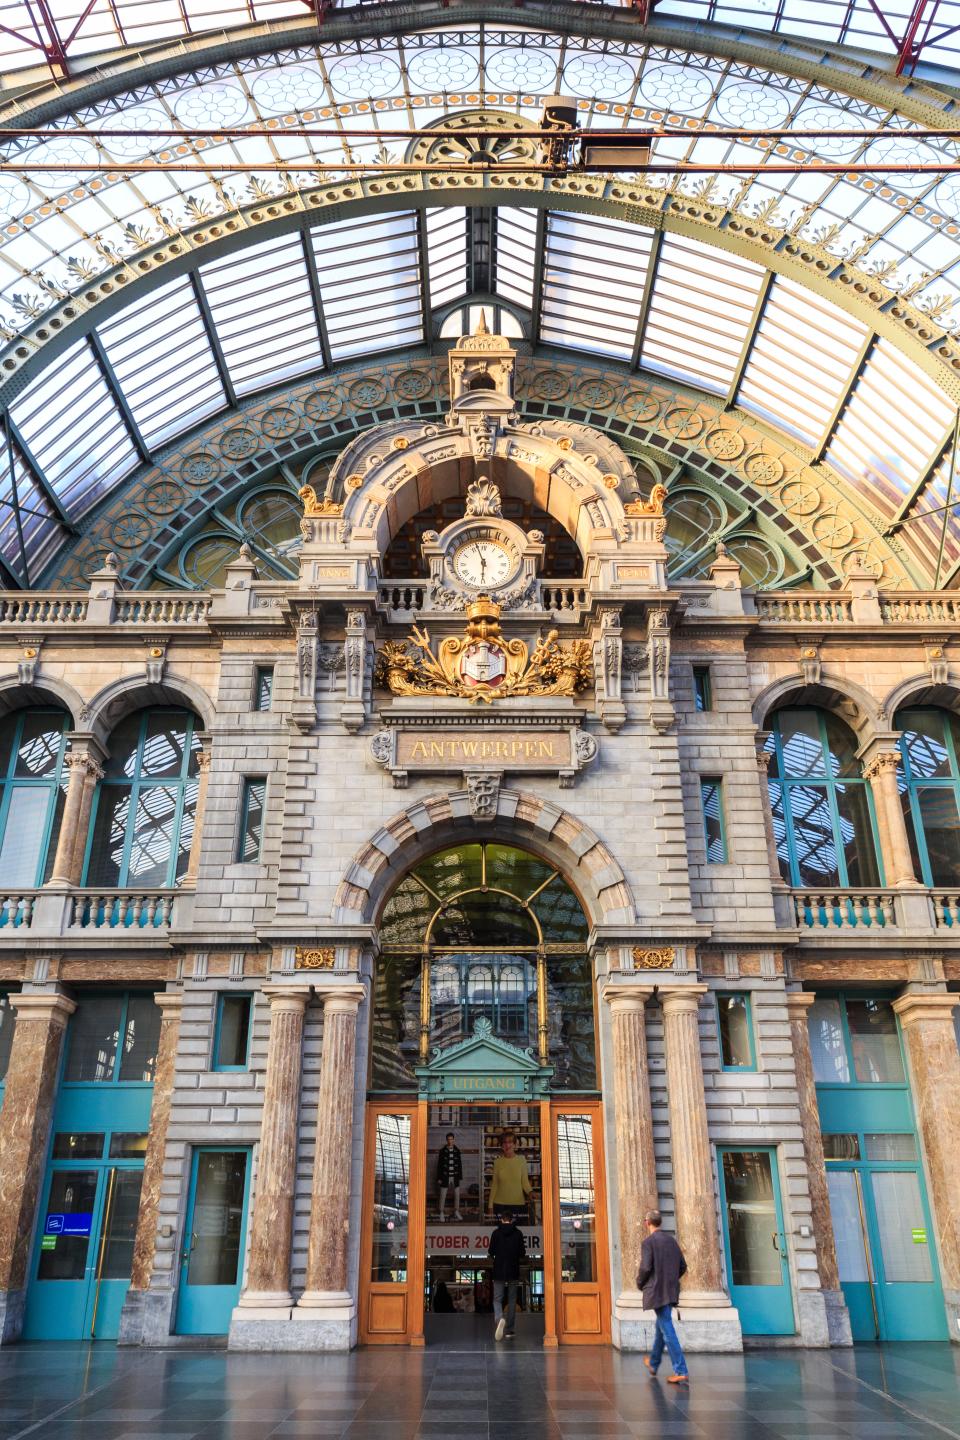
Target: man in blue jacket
{"x": 661, "y": 1265}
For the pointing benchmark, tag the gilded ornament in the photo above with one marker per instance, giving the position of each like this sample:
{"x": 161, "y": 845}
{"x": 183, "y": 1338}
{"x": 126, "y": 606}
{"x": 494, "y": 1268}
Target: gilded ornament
{"x": 353, "y": 482}
{"x": 653, "y": 506}
{"x": 611, "y": 481}
{"x": 482, "y": 665}
{"x": 565, "y": 443}
{"x": 661, "y": 959}
{"x": 307, "y": 959}
{"x": 401, "y": 443}
{"x": 314, "y": 507}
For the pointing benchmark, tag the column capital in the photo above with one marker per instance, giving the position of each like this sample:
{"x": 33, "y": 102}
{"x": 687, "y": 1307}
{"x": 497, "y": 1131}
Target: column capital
{"x": 879, "y": 758}
{"x": 38, "y": 1007}
{"x": 85, "y": 762}
{"x": 682, "y": 999}
{"x": 622, "y": 997}
{"x": 913, "y": 1008}
{"x": 286, "y": 997}
{"x": 170, "y": 1003}
{"x": 799, "y": 1002}
{"x": 341, "y": 998}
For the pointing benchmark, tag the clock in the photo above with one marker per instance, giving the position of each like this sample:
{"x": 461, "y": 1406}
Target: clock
{"x": 482, "y": 563}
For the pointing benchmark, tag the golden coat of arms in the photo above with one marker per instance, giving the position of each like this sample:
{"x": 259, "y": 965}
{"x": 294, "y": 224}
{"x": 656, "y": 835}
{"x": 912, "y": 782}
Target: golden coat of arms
{"x": 482, "y": 664}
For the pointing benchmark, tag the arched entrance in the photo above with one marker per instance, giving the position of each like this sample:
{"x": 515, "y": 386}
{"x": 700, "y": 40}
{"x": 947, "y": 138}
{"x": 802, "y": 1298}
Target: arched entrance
{"x": 483, "y": 1098}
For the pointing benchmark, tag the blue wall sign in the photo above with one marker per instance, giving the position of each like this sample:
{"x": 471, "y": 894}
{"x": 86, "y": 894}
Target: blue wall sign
{"x": 79, "y": 1224}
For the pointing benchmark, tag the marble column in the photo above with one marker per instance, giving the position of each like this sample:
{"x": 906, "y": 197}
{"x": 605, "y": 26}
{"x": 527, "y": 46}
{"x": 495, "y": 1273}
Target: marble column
{"x": 836, "y": 1316}
{"x": 271, "y": 1225}
{"x": 931, "y": 1041}
{"x": 84, "y": 773}
{"x": 703, "y": 1302}
{"x": 24, "y": 1134}
{"x": 326, "y": 1303}
{"x": 880, "y": 768}
{"x": 193, "y": 859}
{"x": 633, "y": 1130}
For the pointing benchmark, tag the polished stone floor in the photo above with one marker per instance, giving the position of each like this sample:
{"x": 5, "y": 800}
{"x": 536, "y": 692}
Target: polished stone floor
{"x": 96, "y": 1392}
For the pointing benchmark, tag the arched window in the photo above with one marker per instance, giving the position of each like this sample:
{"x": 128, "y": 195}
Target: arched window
{"x": 145, "y": 805}
{"x": 483, "y": 932}
{"x": 32, "y": 786}
{"x": 822, "y": 807}
{"x": 929, "y": 780}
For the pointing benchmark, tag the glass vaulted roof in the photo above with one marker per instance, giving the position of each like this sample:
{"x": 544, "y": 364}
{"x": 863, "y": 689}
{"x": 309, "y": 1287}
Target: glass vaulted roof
{"x": 317, "y": 295}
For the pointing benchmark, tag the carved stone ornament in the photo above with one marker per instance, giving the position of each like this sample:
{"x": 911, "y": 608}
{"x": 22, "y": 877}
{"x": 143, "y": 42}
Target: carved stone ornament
{"x": 483, "y": 665}
{"x": 483, "y": 792}
{"x": 483, "y": 498}
{"x": 319, "y": 959}
{"x": 315, "y": 508}
{"x": 659, "y": 959}
{"x": 381, "y": 747}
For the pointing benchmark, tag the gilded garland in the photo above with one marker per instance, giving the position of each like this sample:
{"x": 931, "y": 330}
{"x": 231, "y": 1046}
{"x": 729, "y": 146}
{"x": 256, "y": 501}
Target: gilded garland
{"x": 482, "y": 665}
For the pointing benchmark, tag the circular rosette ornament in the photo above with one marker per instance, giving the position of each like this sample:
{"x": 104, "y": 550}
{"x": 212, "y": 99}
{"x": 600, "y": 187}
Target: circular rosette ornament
{"x": 483, "y": 663}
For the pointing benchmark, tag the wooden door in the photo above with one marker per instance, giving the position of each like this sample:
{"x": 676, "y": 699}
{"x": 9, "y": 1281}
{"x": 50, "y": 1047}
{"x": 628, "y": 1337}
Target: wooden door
{"x": 391, "y": 1256}
{"x": 580, "y": 1254}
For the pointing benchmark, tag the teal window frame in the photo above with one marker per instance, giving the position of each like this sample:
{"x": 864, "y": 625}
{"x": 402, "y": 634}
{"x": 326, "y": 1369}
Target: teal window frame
{"x": 138, "y": 782}
{"x": 10, "y": 782}
{"x": 222, "y": 996}
{"x": 240, "y": 856}
{"x": 743, "y": 995}
{"x": 263, "y": 687}
{"x": 828, "y": 784}
{"x": 702, "y": 689}
{"x": 714, "y": 782}
{"x": 912, "y": 785}
{"x": 99, "y": 1086}
{"x": 871, "y": 1086}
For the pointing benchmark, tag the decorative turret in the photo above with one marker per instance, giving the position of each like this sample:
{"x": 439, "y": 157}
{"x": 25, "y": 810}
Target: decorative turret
{"x": 481, "y": 374}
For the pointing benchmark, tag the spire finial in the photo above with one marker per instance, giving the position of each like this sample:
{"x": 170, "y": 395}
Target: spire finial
{"x": 482, "y": 325}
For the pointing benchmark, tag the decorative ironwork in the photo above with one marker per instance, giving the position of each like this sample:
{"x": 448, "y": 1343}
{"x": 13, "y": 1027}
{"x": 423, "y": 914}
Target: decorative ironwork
{"x": 482, "y": 665}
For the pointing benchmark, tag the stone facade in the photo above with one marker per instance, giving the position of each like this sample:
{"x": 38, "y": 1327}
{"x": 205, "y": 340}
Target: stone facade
{"x": 669, "y": 928}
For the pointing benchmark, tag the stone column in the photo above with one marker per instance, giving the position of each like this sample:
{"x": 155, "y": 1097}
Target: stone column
{"x": 24, "y": 1133}
{"x": 326, "y": 1301}
{"x": 193, "y": 860}
{"x": 636, "y": 1165}
{"x": 881, "y": 770}
{"x": 703, "y": 1299}
{"x": 931, "y": 1040}
{"x": 837, "y": 1315}
{"x": 271, "y": 1225}
{"x": 84, "y": 772}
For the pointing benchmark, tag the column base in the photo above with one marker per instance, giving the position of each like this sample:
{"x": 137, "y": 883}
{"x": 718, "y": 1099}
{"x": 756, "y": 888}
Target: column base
{"x": 321, "y": 1320}
{"x": 270, "y": 1300}
{"x": 951, "y": 1300}
{"x": 147, "y": 1317}
{"x": 13, "y": 1304}
{"x": 705, "y": 1323}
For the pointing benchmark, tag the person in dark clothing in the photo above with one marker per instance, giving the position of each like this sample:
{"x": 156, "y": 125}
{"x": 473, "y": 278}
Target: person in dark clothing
{"x": 661, "y": 1265}
{"x": 443, "y": 1300}
{"x": 506, "y": 1249}
{"x": 449, "y": 1175}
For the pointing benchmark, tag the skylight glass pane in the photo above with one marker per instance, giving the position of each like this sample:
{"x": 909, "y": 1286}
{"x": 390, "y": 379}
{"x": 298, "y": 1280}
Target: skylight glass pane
{"x": 515, "y": 252}
{"x": 74, "y": 429}
{"x": 890, "y": 430}
{"x": 263, "y": 313}
{"x": 801, "y": 361}
{"x": 594, "y": 274}
{"x": 447, "y": 254}
{"x": 41, "y": 529}
{"x": 370, "y": 282}
{"x": 164, "y": 362}
{"x": 700, "y": 312}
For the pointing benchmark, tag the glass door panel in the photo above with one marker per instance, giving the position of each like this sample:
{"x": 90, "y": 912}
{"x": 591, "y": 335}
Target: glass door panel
{"x": 582, "y": 1286}
{"x": 66, "y": 1257}
{"x": 392, "y": 1257}
{"x": 853, "y": 1261}
{"x": 910, "y": 1300}
{"x": 755, "y": 1242}
{"x": 212, "y": 1256}
{"x": 115, "y": 1259}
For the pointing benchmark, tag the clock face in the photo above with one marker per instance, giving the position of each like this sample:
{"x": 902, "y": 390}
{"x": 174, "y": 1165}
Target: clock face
{"x": 482, "y": 563}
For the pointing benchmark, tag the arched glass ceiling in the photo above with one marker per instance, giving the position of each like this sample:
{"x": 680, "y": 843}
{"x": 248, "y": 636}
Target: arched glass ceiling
{"x": 307, "y": 300}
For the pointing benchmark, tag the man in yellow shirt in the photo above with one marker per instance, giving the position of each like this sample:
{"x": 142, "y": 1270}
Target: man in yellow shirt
{"x": 510, "y": 1188}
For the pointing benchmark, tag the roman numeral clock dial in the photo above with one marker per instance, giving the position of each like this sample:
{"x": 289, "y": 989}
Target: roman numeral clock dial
{"x": 482, "y": 563}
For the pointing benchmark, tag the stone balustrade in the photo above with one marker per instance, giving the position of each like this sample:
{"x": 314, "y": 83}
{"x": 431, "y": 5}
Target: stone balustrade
{"x": 16, "y": 909}
{"x": 121, "y": 909}
{"x": 153, "y": 608}
{"x": 559, "y": 596}
{"x": 845, "y": 909}
{"x": 793, "y": 607}
{"x": 946, "y": 909}
{"x": 57, "y": 609}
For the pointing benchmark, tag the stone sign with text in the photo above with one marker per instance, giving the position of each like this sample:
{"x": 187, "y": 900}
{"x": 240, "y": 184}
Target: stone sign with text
{"x": 560, "y": 750}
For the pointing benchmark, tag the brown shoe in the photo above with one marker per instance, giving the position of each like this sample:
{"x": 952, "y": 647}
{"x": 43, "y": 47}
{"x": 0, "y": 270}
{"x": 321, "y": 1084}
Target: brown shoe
{"x": 646, "y": 1361}
{"x": 678, "y": 1379}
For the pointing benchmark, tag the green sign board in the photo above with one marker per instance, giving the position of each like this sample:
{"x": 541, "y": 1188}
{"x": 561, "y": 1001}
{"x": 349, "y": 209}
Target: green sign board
{"x": 919, "y": 1236}
{"x": 490, "y": 1087}
{"x": 483, "y": 1067}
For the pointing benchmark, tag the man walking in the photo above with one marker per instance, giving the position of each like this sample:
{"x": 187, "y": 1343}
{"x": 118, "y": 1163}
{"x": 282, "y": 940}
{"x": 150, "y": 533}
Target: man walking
{"x": 661, "y": 1265}
{"x": 506, "y": 1249}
